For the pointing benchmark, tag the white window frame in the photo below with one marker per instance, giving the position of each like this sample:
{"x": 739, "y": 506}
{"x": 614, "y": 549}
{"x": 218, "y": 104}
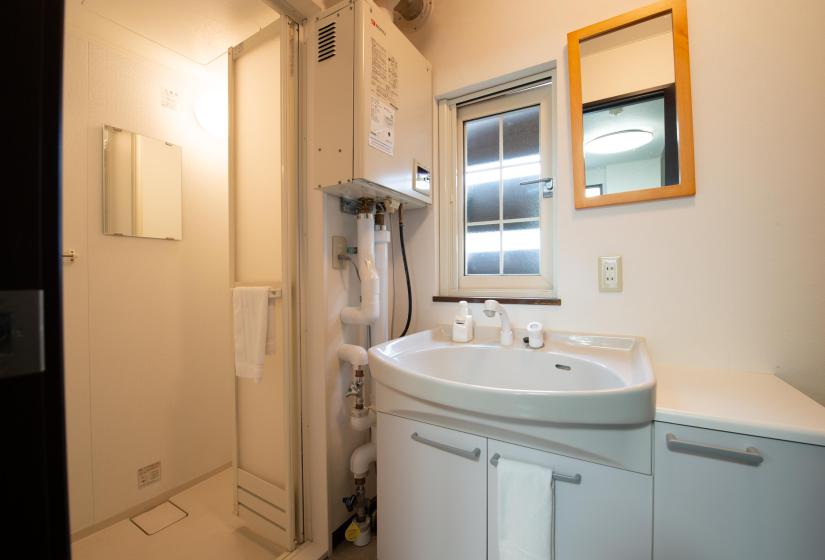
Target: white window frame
{"x": 452, "y": 113}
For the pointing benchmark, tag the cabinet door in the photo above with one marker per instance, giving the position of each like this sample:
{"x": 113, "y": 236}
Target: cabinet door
{"x": 607, "y": 515}
{"x": 432, "y": 498}
{"x": 710, "y": 508}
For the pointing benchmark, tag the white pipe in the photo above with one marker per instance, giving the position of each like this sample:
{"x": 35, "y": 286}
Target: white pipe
{"x": 381, "y": 331}
{"x": 353, "y": 354}
{"x": 362, "y": 457}
{"x": 361, "y": 423}
{"x": 369, "y": 310}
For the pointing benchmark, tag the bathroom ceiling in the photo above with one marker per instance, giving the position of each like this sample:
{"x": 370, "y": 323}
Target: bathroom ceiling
{"x": 200, "y": 30}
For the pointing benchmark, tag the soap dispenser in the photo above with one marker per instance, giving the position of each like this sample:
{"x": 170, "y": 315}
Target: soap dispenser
{"x": 463, "y": 323}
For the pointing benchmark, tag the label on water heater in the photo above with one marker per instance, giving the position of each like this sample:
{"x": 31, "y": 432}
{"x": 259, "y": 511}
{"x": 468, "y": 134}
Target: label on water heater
{"x": 383, "y": 74}
{"x": 382, "y": 126}
{"x": 383, "y": 98}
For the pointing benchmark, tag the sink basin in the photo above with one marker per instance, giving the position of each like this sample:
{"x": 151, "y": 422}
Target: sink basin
{"x": 575, "y": 379}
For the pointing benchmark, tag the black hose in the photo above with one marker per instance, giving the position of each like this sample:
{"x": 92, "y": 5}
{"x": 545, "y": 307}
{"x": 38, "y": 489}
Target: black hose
{"x": 406, "y": 268}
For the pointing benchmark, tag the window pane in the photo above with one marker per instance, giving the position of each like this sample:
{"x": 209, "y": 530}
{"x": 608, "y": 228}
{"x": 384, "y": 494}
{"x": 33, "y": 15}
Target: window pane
{"x": 521, "y": 134}
{"x": 482, "y": 195}
{"x": 482, "y": 141}
{"x": 521, "y": 201}
{"x": 482, "y": 247}
{"x": 522, "y": 244}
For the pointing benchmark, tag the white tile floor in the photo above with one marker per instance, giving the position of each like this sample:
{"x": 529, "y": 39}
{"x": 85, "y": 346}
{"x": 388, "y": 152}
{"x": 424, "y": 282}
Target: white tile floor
{"x": 210, "y": 532}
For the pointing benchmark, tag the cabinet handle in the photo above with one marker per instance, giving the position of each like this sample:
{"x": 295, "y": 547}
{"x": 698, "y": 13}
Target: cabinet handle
{"x": 749, "y": 456}
{"x": 472, "y": 455}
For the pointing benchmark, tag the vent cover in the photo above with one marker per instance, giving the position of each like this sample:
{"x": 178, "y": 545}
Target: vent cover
{"x": 326, "y": 42}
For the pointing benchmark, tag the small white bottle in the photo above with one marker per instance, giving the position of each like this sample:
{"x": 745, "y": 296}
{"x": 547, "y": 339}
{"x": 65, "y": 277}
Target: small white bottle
{"x": 535, "y": 334}
{"x": 463, "y": 323}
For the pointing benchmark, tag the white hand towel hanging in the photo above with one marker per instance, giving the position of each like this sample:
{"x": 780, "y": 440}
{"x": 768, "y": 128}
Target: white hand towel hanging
{"x": 253, "y": 330}
{"x": 525, "y": 511}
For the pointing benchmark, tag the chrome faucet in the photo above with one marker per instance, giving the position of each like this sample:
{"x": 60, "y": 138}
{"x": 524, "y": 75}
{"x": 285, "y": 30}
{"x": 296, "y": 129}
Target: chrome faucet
{"x": 493, "y": 308}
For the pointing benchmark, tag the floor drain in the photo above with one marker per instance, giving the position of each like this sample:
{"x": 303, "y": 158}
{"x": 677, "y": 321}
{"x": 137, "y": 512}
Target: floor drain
{"x": 159, "y": 518}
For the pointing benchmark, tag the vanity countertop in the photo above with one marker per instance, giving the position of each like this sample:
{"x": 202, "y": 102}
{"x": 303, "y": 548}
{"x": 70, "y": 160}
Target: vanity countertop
{"x": 758, "y": 404}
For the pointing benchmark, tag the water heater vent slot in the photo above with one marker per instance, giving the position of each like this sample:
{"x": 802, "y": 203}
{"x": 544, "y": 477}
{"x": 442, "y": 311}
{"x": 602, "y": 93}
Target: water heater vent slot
{"x": 326, "y": 42}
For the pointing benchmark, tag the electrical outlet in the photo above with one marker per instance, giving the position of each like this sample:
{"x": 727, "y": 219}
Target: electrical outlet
{"x": 339, "y": 247}
{"x": 610, "y": 274}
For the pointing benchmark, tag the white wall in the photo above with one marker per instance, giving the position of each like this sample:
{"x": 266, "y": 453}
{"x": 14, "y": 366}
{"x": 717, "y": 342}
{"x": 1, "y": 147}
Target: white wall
{"x": 149, "y": 367}
{"x": 730, "y": 278}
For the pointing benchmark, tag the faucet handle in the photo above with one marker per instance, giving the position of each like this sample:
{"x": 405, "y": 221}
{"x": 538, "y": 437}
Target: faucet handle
{"x": 353, "y": 390}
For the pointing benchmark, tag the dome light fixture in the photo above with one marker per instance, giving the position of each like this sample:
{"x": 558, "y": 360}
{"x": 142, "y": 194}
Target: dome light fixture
{"x": 619, "y": 141}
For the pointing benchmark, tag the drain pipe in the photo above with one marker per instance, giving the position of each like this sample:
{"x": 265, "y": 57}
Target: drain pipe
{"x": 364, "y": 455}
{"x": 361, "y": 459}
{"x": 360, "y": 462}
{"x": 373, "y": 296}
{"x": 369, "y": 310}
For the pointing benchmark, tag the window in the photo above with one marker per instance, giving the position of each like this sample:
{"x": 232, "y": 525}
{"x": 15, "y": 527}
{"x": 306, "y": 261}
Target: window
{"x": 496, "y": 170}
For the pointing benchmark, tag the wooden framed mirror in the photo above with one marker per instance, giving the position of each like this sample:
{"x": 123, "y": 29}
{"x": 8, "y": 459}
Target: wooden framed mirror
{"x": 630, "y": 107}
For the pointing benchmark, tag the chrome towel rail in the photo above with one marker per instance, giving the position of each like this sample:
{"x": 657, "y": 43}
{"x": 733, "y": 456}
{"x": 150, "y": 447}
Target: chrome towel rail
{"x": 572, "y": 479}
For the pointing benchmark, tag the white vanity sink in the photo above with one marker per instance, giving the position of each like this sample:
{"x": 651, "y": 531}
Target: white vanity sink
{"x": 574, "y": 379}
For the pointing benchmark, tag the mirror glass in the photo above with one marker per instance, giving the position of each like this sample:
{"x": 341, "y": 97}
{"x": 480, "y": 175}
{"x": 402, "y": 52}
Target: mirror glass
{"x": 629, "y": 109}
{"x": 141, "y": 185}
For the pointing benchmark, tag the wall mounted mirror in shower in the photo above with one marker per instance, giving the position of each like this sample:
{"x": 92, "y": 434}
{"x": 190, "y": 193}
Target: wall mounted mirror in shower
{"x": 630, "y": 107}
{"x": 141, "y": 185}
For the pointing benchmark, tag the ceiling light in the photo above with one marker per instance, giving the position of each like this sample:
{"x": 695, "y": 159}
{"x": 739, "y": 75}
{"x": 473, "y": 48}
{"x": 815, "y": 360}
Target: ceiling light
{"x": 620, "y": 141}
{"x": 210, "y": 110}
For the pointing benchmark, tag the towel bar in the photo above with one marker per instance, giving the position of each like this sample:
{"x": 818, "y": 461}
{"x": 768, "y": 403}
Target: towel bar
{"x": 573, "y": 479}
{"x": 274, "y": 293}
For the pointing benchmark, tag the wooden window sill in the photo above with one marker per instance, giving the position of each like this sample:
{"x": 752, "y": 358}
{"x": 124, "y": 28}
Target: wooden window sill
{"x": 502, "y": 300}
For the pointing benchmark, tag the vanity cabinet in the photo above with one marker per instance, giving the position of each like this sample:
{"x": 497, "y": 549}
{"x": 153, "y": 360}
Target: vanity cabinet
{"x": 437, "y": 492}
{"x": 431, "y": 491}
{"x": 717, "y": 499}
{"x": 608, "y": 514}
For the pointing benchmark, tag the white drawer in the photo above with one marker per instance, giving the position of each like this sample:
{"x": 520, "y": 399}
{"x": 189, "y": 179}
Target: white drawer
{"x": 720, "y": 495}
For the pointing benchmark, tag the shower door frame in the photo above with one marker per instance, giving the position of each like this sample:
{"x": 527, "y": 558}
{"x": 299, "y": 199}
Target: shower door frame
{"x": 290, "y": 287}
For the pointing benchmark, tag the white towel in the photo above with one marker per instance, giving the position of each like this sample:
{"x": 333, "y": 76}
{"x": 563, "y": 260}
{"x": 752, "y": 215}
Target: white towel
{"x": 525, "y": 511}
{"x": 254, "y": 332}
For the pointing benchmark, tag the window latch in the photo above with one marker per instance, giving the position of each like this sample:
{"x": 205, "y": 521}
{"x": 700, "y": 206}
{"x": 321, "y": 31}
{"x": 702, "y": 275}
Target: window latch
{"x": 547, "y": 187}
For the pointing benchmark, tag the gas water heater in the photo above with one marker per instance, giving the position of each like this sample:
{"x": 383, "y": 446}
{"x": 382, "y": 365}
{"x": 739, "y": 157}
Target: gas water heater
{"x": 370, "y": 120}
